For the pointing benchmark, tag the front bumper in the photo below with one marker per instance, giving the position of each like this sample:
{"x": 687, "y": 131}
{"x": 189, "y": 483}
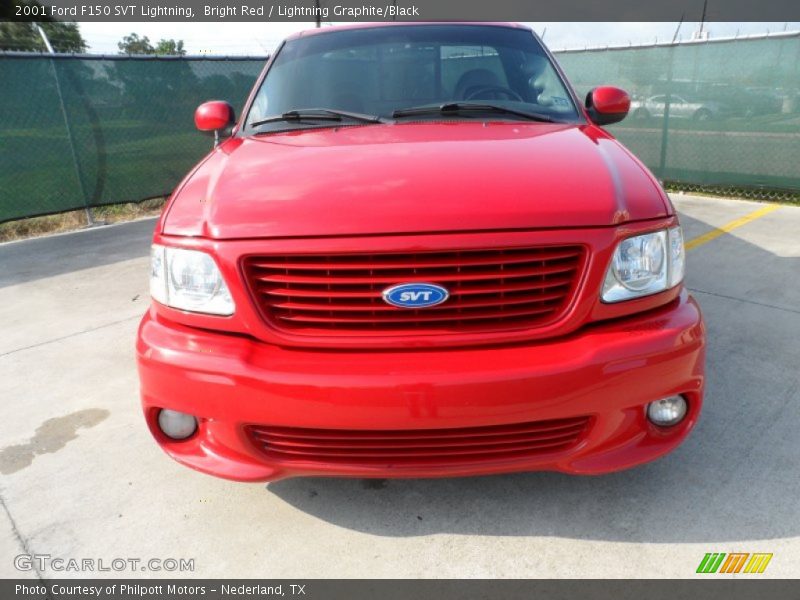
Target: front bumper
{"x": 607, "y": 372}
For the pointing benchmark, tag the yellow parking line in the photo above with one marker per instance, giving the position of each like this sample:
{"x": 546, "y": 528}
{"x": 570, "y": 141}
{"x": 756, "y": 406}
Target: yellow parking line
{"x": 728, "y": 227}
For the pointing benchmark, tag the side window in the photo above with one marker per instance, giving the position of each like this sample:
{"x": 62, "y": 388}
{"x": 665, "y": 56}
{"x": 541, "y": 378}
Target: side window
{"x": 464, "y": 67}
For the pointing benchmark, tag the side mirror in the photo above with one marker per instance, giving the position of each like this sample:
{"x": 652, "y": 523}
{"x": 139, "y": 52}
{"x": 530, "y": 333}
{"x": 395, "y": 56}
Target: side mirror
{"x": 215, "y": 116}
{"x": 607, "y": 104}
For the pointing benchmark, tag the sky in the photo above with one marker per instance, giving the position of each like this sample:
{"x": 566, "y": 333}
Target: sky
{"x": 226, "y": 38}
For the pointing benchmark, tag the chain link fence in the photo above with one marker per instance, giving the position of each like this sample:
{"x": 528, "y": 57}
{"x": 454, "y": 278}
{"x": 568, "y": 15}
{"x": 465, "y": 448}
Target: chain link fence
{"x": 713, "y": 115}
{"x": 85, "y": 131}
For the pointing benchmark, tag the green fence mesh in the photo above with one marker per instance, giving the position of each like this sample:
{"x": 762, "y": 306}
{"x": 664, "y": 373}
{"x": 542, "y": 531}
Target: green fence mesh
{"x": 130, "y": 133}
{"x": 708, "y": 115}
{"x": 734, "y": 109}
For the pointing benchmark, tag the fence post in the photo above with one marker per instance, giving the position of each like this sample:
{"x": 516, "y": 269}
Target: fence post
{"x": 89, "y": 218}
{"x": 662, "y": 161}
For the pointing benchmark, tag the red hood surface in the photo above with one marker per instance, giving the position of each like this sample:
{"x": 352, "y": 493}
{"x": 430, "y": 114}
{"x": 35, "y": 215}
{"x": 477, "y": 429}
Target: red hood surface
{"x": 414, "y": 178}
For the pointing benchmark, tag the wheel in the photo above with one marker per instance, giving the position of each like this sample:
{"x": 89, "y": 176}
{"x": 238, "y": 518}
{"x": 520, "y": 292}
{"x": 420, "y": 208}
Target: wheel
{"x": 641, "y": 114}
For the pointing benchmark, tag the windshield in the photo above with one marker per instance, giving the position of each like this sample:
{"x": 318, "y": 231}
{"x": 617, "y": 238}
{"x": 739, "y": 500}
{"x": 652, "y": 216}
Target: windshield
{"x": 377, "y": 71}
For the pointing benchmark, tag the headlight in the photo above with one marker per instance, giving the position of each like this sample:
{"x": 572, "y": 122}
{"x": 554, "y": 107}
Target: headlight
{"x": 188, "y": 280}
{"x": 645, "y": 264}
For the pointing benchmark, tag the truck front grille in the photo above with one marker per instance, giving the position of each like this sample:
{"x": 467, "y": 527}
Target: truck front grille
{"x": 418, "y": 447}
{"x": 490, "y": 289}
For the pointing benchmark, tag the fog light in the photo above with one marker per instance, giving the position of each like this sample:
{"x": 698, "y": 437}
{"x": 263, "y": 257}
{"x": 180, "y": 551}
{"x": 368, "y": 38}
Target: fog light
{"x": 176, "y": 425}
{"x": 667, "y": 411}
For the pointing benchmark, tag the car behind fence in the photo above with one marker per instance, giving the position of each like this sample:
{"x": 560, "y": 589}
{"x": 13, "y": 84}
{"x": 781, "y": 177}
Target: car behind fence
{"x": 81, "y": 131}
{"x": 709, "y": 113}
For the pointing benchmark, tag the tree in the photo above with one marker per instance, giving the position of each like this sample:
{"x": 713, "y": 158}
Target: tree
{"x": 24, "y": 37}
{"x": 170, "y": 47}
{"x": 133, "y": 44}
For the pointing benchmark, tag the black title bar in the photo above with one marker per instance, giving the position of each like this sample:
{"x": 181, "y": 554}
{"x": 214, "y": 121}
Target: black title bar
{"x": 401, "y": 10}
{"x": 711, "y": 588}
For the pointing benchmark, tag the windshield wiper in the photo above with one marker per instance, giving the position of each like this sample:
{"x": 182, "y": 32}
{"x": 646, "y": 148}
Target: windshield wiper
{"x": 318, "y": 114}
{"x": 461, "y": 107}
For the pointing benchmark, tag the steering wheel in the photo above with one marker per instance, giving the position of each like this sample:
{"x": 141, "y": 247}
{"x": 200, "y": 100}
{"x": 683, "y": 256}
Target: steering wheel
{"x": 493, "y": 89}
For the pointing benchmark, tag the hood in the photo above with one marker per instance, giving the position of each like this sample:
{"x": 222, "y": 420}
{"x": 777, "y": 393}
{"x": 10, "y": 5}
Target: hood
{"x": 414, "y": 178}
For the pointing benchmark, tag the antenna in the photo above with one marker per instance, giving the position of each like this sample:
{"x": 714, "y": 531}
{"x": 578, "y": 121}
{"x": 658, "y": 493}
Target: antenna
{"x": 678, "y": 29}
{"x": 45, "y": 40}
{"x": 703, "y": 16}
{"x": 700, "y": 34}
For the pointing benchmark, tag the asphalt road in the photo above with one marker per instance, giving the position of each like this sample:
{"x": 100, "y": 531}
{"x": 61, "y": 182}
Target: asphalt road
{"x": 81, "y": 477}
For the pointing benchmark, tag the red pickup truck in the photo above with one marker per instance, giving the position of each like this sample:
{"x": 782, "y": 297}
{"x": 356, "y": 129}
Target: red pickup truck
{"x": 417, "y": 254}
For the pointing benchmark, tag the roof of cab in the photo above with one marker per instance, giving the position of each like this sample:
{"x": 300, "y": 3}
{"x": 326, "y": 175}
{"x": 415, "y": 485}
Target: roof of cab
{"x": 334, "y": 28}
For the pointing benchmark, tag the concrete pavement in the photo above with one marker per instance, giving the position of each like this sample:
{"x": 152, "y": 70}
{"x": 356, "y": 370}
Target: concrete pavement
{"x": 81, "y": 477}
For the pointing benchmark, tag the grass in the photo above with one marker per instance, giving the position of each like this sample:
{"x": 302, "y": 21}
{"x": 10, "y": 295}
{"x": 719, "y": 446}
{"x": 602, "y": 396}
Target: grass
{"x": 777, "y": 196}
{"x": 76, "y": 219}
